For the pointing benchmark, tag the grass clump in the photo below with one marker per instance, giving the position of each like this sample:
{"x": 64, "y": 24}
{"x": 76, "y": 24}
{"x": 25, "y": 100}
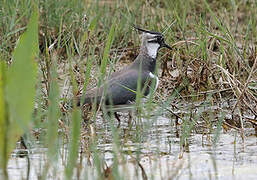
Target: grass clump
{"x": 207, "y": 82}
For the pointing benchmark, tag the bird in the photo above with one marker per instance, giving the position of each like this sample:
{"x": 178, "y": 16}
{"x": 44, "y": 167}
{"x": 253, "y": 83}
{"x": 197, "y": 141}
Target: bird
{"x": 121, "y": 86}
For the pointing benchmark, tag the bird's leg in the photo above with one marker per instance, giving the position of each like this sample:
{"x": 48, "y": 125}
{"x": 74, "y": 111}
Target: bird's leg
{"x": 117, "y": 117}
{"x": 129, "y": 119}
{"x": 23, "y": 144}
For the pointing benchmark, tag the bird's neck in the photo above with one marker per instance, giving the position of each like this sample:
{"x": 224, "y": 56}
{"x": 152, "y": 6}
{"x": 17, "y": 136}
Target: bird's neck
{"x": 145, "y": 62}
{"x": 150, "y": 49}
{"x": 147, "y": 57}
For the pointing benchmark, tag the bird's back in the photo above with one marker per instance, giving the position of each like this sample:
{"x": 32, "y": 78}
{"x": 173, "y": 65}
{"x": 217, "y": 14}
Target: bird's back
{"x": 119, "y": 89}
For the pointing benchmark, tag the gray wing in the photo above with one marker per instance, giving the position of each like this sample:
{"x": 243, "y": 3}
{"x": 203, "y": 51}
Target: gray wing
{"x": 120, "y": 89}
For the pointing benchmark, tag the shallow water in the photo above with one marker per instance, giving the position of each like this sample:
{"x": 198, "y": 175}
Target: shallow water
{"x": 160, "y": 155}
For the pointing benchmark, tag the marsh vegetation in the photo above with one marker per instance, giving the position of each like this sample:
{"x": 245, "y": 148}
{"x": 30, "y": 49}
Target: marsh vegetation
{"x": 200, "y": 124}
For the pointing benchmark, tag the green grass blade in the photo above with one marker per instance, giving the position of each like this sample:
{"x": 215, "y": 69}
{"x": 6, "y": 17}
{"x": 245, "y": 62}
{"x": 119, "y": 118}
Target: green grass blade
{"x": 21, "y": 81}
{"x": 53, "y": 114}
{"x": 74, "y": 143}
{"x": 107, "y": 50}
{"x": 3, "y": 122}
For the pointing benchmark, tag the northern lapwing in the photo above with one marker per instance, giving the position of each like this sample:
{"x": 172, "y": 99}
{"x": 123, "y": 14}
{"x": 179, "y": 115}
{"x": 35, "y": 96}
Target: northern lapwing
{"x": 121, "y": 87}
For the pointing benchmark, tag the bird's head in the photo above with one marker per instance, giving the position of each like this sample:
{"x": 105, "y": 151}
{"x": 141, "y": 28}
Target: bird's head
{"x": 153, "y": 41}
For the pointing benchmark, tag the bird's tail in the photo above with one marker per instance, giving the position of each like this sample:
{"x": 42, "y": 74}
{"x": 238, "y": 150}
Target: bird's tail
{"x": 86, "y": 100}
{"x": 77, "y": 102}
{"x": 70, "y": 103}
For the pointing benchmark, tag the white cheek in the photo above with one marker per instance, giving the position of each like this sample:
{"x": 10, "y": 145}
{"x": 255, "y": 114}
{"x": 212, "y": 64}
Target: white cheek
{"x": 152, "y": 49}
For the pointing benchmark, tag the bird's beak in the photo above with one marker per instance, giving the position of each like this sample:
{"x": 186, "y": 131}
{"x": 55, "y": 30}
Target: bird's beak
{"x": 166, "y": 46}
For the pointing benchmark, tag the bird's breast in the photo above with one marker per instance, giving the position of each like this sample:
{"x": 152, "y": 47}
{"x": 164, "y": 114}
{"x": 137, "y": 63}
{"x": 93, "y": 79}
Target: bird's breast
{"x": 155, "y": 80}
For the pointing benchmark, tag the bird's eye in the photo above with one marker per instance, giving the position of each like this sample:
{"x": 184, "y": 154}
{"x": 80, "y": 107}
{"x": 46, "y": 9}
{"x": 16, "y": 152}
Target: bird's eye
{"x": 159, "y": 39}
